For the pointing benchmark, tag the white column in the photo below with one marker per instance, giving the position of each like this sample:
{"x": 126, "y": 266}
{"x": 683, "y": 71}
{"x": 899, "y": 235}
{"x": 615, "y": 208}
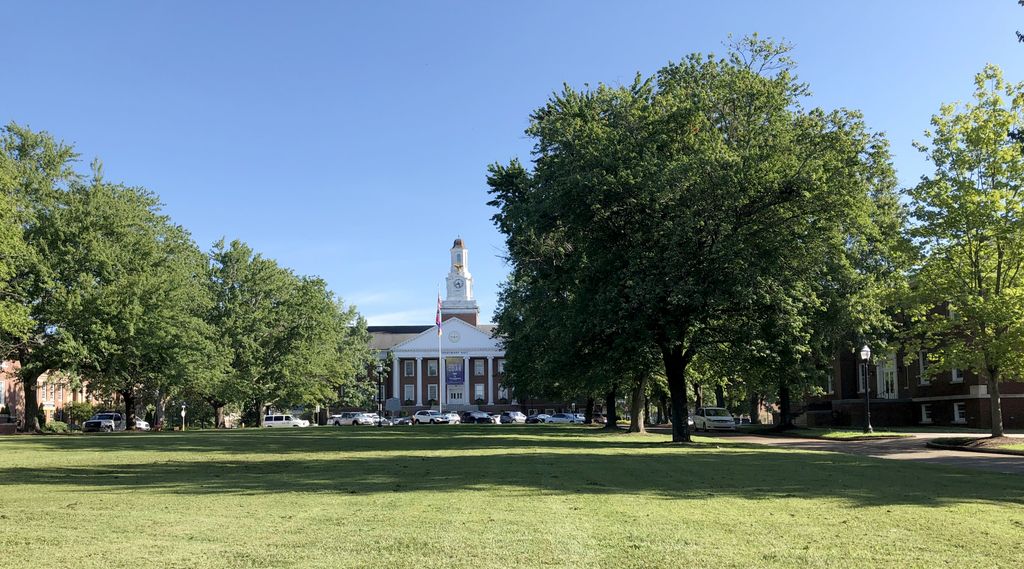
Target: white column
{"x": 419, "y": 381}
{"x": 465, "y": 380}
{"x": 394, "y": 381}
{"x": 490, "y": 380}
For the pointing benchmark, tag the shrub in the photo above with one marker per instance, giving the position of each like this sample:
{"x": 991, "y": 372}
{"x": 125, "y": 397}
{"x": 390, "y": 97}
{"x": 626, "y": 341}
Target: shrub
{"x": 80, "y": 411}
{"x": 57, "y": 427}
{"x": 503, "y": 401}
{"x": 408, "y": 402}
{"x": 479, "y": 401}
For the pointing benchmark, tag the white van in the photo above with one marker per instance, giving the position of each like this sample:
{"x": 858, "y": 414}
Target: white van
{"x": 283, "y": 421}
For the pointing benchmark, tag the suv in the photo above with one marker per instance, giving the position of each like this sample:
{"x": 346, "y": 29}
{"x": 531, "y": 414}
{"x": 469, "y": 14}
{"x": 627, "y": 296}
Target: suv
{"x": 428, "y": 416}
{"x": 283, "y": 421}
{"x": 105, "y": 422}
{"x": 353, "y": 418}
{"x": 512, "y": 417}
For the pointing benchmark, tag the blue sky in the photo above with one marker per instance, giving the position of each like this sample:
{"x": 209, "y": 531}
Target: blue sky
{"x": 350, "y": 140}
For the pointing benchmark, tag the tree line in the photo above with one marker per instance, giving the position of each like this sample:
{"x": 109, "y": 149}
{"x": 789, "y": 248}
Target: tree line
{"x": 101, "y": 287}
{"x": 706, "y": 226}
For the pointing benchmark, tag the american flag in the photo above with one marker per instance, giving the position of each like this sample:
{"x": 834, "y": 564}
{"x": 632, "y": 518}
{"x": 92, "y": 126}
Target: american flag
{"x": 438, "y": 320}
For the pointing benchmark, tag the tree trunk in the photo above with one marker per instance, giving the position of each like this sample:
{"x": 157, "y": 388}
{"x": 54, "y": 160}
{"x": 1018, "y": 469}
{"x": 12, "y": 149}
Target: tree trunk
{"x": 636, "y": 408}
{"x": 610, "y": 413}
{"x": 785, "y": 409}
{"x": 755, "y": 409}
{"x": 128, "y": 395}
{"x": 29, "y": 387}
{"x": 158, "y": 413}
{"x": 720, "y": 396}
{"x": 258, "y": 405}
{"x": 698, "y": 397}
{"x": 995, "y": 402}
{"x": 218, "y": 414}
{"x": 662, "y": 409}
{"x": 675, "y": 373}
{"x": 589, "y": 414}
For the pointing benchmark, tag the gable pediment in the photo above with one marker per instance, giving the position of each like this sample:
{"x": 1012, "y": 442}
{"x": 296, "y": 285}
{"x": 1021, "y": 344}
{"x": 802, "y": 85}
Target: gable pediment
{"x": 458, "y": 337}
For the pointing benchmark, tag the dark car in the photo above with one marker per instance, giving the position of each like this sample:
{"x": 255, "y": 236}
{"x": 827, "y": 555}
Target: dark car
{"x": 402, "y": 421}
{"x": 477, "y": 417}
{"x": 541, "y": 418}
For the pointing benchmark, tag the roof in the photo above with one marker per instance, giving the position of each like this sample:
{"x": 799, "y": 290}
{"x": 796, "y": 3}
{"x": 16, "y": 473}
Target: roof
{"x": 386, "y": 337}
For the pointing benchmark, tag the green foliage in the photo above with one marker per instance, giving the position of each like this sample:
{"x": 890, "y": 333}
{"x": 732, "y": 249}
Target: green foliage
{"x": 702, "y": 211}
{"x": 80, "y": 411}
{"x": 969, "y": 290}
{"x": 56, "y": 427}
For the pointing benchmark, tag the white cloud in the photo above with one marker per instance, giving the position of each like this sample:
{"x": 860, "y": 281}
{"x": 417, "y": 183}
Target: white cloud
{"x": 406, "y": 317}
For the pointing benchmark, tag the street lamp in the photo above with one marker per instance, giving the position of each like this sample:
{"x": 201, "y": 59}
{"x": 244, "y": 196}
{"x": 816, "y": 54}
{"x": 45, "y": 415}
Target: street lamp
{"x": 183, "y": 416}
{"x": 865, "y": 356}
{"x": 380, "y": 393}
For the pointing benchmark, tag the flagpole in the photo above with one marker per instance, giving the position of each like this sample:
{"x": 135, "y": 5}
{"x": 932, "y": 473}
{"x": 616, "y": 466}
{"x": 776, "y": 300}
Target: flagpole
{"x": 440, "y": 362}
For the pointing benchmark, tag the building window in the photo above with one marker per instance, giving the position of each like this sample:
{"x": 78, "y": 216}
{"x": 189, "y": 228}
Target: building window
{"x": 922, "y": 368}
{"x": 432, "y": 392}
{"x": 957, "y": 376}
{"x": 501, "y": 365}
{"x": 959, "y": 412}
{"x": 503, "y": 393}
{"x": 409, "y": 393}
{"x": 3, "y": 395}
{"x": 862, "y": 371}
{"x": 53, "y": 390}
{"x": 829, "y": 387}
{"x": 478, "y": 367}
{"x": 432, "y": 368}
{"x": 478, "y": 392}
{"x": 455, "y": 395}
{"x": 926, "y": 413}
{"x": 408, "y": 368}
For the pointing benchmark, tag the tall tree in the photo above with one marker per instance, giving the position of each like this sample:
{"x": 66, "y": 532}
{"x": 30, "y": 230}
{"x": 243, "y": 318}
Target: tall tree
{"x": 683, "y": 204}
{"x": 35, "y": 170}
{"x": 970, "y": 223}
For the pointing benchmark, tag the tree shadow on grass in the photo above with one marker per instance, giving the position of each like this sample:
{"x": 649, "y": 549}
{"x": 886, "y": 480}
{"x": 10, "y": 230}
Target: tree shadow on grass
{"x": 694, "y": 473}
{"x": 349, "y": 439}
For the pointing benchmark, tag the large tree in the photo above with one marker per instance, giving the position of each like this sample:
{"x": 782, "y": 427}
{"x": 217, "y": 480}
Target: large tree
{"x": 686, "y": 203}
{"x": 35, "y": 170}
{"x": 970, "y": 222}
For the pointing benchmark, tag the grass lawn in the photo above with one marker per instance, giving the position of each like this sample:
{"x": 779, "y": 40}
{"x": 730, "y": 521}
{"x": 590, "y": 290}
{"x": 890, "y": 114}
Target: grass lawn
{"x": 487, "y": 496}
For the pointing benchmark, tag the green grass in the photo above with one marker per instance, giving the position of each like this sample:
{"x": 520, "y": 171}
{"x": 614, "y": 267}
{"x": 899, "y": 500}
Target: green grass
{"x": 487, "y": 496}
{"x": 1014, "y": 447}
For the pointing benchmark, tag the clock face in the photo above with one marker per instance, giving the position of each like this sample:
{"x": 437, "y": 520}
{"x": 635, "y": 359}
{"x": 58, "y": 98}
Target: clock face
{"x": 454, "y": 336}
{"x": 458, "y": 283}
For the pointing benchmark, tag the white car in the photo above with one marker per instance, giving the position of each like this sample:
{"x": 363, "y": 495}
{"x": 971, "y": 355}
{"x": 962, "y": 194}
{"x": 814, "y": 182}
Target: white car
{"x": 713, "y": 419}
{"x": 513, "y": 417}
{"x": 452, "y": 418}
{"x": 283, "y": 421}
{"x": 353, "y": 418}
{"x": 429, "y": 416}
{"x": 141, "y": 425}
{"x": 104, "y": 422}
{"x": 563, "y": 418}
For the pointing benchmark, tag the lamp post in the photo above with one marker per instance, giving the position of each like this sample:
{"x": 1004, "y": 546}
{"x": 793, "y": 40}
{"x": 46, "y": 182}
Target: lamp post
{"x": 182, "y": 416}
{"x": 380, "y": 393}
{"x": 865, "y": 356}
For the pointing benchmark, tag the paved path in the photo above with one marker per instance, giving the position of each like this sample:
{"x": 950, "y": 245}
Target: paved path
{"x": 910, "y": 448}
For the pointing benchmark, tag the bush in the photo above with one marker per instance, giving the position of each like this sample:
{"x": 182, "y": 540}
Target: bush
{"x": 56, "y": 427}
{"x": 408, "y": 402}
{"x": 479, "y": 401}
{"x": 79, "y": 412}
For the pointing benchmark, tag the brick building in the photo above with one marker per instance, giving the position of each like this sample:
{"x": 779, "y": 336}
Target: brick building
{"x": 53, "y": 393}
{"x": 903, "y": 394}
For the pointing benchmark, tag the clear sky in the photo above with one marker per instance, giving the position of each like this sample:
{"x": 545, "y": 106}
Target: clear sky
{"x": 350, "y": 140}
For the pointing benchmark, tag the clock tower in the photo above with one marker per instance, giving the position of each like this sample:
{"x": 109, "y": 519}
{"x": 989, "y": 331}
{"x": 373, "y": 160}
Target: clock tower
{"x": 460, "y": 302}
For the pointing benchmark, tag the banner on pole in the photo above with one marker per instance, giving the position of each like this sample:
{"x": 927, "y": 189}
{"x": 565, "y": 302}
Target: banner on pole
{"x": 454, "y": 371}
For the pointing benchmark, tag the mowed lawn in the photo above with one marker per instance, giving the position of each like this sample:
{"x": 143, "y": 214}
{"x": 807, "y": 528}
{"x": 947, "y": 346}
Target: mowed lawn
{"x": 487, "y": 496}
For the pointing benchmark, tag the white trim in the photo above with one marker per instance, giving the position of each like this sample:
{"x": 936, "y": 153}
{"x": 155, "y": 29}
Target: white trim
{"x": 952, "y": 397}
{"x": 926, "y": 418}
{"x": 3, "y": 392}
{"x": 922, "y": 377}
{"x": 959, "y": 418}
{"x": 953, "y": 376}
{"x": 419, "y": 381}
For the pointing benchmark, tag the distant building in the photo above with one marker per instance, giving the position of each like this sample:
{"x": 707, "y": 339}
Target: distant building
{"x": 53, "y": 394}
{"x": 473, "y": 359}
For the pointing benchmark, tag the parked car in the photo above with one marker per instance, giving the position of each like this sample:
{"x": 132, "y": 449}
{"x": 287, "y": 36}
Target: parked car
{"x": 513, "y": 417}
{"x": 381, "y": 421}
{"x": 104, "y": 422}
{"x": 283, "y": 421}
{"x": 453, "y": 418}
{"x": 599, "y": 418}
{"x": 141, "y": 425}
{"x": 470, "y": 417}
{"x": 581, "y": 417}
{"x": 353, "y": 418}
{"x": 563, "y": 418}
{"x": 401, "y": 421}
{"x": 428, "y": 416}
{"x": 539, "y": 418}
{"x": 713, "y": 419}
{"x": 496, "y": 418}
